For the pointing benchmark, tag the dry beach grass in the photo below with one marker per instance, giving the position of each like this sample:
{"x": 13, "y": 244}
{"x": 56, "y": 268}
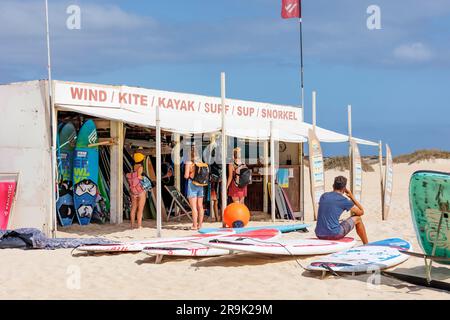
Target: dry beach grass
{"x": 60, "y": 275}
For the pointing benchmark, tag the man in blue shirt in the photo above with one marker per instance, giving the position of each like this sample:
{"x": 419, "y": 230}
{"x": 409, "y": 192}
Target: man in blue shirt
{"x": 331, "y": 206}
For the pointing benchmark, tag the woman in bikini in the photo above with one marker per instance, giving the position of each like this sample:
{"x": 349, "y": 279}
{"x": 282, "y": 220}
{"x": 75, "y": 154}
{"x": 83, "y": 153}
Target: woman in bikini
{"x": 138, "y": 194}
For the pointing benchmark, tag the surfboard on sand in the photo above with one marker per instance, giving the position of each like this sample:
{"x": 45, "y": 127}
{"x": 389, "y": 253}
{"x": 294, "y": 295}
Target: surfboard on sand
{"x": 137, "y": 246}
{"x": 192, "y": 249}
{"x": 285, "y": 247}
{"x": 429, "y": 197}
{"x": 284, "y": 228}
{"x": 66, "y": 141}
{"x": 376, "y": 255}
{"x": 85, "y": 173}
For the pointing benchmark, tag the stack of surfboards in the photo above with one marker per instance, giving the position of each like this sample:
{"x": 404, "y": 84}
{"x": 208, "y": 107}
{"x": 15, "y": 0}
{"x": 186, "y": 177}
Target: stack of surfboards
{"x": 284, "y": 209}
{"x": 340, "y": 255}
{"x": 264, "y": 233}
{"x": 78, "y": 169}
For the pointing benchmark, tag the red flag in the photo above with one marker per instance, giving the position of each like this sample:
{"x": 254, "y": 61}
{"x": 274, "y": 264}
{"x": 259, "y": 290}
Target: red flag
{"x": 291, "y": 9}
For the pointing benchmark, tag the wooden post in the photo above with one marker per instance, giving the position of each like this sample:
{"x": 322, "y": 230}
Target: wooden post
{"x": 158, "y": 174}
{"x": 266, "y": 177}
{"x": 212, "y": 141}
{"x": 177, "y": 165}
{"x": 177, "y": 161}
{"x": 224, "y": 145}
{"x": 116, "y": 173}
{"x": 380, "y": 162}
{"x": 301, "y": 162}
{"x": 272, "y": 172}
{"x": 350, "y": 155}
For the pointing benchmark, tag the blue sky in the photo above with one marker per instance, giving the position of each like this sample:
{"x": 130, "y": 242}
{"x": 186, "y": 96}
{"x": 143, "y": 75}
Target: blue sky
{"x": 397, "y": 79}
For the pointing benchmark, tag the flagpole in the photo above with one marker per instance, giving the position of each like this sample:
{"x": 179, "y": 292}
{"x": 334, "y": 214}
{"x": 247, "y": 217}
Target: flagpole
{"x": 53, "y": 125}
{"x": 301, "y": 69}
{"x": 302, "y": 163}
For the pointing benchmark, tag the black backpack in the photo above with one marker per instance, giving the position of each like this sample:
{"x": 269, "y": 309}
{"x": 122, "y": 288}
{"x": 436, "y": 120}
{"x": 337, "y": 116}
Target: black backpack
{"x": 216, "y": 172}
{"x": 201, "y": 174}
{"x": 243, "y": 175}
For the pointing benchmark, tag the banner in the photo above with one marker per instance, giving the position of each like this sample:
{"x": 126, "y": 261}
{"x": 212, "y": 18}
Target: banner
{"x": 291, "y": 9}
{"x": 356, "y": 171}
{"x": 134, "y": 99}
{"x": 388, "y": 183}
{"x": 8, "y": 185}
{"x": 316, "y": 170}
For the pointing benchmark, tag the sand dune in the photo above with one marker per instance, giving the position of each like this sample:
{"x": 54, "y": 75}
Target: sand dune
{"x": 60, "y": 274}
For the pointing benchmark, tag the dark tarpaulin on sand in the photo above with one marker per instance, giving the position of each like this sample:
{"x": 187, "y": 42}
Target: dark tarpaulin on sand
{"x": 31, "y": 238}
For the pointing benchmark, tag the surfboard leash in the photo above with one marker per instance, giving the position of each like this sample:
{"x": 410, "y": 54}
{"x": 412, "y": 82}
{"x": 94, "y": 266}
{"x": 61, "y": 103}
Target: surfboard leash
{"x": 278, "y": 243}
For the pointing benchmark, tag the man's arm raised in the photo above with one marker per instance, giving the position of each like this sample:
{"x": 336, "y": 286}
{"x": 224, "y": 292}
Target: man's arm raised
{"x": 357, "y": 209}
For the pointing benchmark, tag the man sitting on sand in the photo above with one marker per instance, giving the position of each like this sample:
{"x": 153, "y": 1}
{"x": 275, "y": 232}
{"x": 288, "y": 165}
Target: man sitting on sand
{"x": 331, "y": 206}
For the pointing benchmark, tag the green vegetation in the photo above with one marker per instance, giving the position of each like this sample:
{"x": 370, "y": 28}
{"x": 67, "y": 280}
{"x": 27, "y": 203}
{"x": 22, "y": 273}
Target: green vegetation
{"x": 422, "y": 155}
{"x": 342, "y": 163}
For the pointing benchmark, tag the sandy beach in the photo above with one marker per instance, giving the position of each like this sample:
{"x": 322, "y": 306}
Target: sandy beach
{"x": 59, "y": 274}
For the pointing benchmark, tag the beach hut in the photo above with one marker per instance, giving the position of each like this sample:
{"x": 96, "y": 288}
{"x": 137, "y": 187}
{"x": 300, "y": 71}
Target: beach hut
{"x": 29, "y": 124}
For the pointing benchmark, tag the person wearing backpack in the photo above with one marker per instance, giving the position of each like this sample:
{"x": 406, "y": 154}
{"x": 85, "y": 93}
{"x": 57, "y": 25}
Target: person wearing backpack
{"x": 197, "y": 173}
{"x": 239, "y": 176}
{"x": 139, "y": 186}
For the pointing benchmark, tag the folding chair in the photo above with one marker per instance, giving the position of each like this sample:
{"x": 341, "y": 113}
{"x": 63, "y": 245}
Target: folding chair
{"x": 178, "y": 201}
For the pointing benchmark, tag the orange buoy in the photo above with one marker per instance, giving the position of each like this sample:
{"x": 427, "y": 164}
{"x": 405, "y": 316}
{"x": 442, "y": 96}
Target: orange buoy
{"x": 236, "y": 215}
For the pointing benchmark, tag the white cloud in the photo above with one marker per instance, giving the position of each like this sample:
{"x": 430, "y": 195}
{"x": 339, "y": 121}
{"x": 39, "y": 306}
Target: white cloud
{"x": 413, "y": 52}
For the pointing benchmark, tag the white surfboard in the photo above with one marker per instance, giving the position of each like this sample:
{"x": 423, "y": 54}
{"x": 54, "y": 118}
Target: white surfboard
{"x": 377, "y": 255}
{"x": 293, "y": 247}
{"x": 198, "y": 249}
{"x": 137, "y": 246}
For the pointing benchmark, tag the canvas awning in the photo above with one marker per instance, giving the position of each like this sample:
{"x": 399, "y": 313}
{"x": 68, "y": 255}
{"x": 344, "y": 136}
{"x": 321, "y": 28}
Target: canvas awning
{"x": 190, "y": 114}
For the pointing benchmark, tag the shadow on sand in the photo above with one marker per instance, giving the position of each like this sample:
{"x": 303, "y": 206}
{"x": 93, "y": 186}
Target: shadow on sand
{"x": 438, "y": 273}
{"x": 105, "y": 230}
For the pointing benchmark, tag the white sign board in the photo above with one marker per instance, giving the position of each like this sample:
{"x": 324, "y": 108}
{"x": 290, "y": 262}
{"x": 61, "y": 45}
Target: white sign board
{"x": 357, "y": 171}
{"x": 316, "y": 170}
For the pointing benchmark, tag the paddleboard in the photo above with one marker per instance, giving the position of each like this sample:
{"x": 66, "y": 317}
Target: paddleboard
{"x": 288, "y": 204}
{"x": 285, "y": 247}
{"x": 376, "y": 255}
{"x": 429, "y": 198}
{"x": 284, "y": 228}
{"x": 66, "y": 141}
{"x": 192, "y": 249}
{"x": 85, "y": 173}
{"x": 137, "y": 246}
{"x": 281, "y": 204}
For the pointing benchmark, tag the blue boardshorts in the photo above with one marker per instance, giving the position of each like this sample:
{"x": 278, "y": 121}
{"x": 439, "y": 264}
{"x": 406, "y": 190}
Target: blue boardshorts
{"x": 194, "y": 191}
{"x": 346, "y": 226}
